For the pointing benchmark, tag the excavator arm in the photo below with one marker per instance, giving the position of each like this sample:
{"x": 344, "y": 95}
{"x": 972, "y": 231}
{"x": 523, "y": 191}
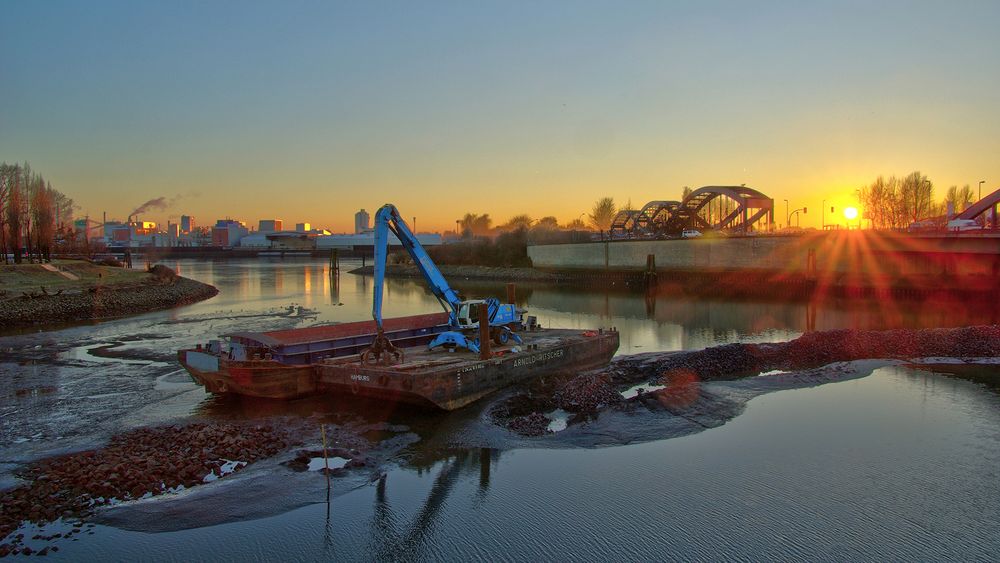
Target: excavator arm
{"x": 389, "y": 220}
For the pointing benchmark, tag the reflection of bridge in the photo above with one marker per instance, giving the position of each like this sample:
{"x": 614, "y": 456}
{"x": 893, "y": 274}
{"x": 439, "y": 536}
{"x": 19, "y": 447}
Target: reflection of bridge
{"x": 719, "y": 208}
{"x": 990, "y": 202}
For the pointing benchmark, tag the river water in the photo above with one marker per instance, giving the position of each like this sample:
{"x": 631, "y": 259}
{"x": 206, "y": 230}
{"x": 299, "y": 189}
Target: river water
{"x": 892, "y": 462}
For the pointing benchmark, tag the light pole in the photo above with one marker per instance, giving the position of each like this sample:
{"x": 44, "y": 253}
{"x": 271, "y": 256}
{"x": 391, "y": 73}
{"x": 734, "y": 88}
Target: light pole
{"x": 981, "y": 182}
{"x": 823, "y": 216}
{"x": 787, "y": 219}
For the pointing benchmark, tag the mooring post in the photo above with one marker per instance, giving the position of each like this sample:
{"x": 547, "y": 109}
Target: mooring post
{"x": 511, "y": 293}
{"x": 484, "y": 332}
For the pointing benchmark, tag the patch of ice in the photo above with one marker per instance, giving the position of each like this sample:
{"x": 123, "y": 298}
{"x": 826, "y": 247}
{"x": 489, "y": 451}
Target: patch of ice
{"x": 772, "y": 372}
{"x": 558, "y": 420}
{"x": 316, "y": 463}
{"x": 646, "y": 387}
{"x": 226, "y": 468}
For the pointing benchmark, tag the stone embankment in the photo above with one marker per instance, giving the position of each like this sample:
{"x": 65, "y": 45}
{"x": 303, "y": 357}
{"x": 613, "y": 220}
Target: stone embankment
{"x": 138, "y": 464}
{"x": 160, "y": 289}
{"x": 674, "y": 376}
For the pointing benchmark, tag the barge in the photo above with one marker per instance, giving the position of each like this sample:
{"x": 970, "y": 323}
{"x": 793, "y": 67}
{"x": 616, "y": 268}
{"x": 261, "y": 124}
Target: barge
{"x": 289, "y": 364}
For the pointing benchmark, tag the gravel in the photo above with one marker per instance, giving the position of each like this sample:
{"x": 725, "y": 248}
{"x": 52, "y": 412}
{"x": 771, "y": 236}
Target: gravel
{"x": 136, "y": 464}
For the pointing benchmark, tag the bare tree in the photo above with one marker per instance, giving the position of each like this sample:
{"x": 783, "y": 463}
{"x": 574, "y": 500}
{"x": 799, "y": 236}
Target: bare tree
{"x": 960, "y": 198}
{"x": 603, "y": 213}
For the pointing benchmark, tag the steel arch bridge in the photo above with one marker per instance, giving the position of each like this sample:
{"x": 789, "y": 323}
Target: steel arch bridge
{"x": 633, "y": 223}
{"x": 745, "y": 207}
{"x": 751, "y": 206}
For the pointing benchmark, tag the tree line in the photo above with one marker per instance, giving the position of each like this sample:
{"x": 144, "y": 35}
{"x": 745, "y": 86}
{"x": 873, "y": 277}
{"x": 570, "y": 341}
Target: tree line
{"x": 33, "y": 214}
{"x": 896, "y": 203}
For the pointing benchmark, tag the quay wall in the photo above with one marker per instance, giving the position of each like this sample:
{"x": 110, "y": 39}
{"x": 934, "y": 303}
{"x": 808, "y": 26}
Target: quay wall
{"x": 865, "y": 253}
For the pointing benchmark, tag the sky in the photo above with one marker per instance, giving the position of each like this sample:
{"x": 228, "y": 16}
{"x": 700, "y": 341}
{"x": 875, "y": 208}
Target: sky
{"x": 309, "y": 111}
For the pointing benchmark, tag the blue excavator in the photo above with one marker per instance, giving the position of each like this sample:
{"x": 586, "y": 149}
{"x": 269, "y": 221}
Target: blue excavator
{"x": 463, "y": 315}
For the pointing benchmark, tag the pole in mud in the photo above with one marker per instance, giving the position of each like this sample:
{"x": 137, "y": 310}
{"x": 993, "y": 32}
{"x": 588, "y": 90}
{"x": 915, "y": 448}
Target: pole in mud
{"x": 326, "y": 468}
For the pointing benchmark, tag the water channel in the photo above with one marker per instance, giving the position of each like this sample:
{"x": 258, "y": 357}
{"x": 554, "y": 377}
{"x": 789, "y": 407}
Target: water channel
{"x": 899, "y": 463}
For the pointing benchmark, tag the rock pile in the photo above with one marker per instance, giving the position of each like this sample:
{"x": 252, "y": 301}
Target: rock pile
{"x": 680, "y": 372}
{"x": 587, "y": 393}
{"x": 147, "y": 461}
{"x": 107, "y": 301}
{"x": 534, "y": 424}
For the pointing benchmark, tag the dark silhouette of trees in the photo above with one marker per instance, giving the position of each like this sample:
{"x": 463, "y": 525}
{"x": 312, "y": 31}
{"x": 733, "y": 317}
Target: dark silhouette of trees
{"x": 474, "y": 224}
{"x": 959, "y": 198}
{"x": 895, "y": 203}
{"x": 32, "y": 213}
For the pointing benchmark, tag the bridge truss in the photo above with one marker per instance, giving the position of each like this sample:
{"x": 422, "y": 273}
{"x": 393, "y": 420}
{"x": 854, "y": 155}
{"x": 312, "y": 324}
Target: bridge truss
{"x": 734, "y": 209}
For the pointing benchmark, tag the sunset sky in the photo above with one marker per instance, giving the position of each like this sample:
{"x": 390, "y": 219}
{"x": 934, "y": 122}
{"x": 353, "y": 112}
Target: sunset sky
{"x": 309, "y": 111}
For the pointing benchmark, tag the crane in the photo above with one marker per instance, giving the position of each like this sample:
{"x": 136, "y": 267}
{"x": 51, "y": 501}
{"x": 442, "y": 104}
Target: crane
{"x": 462, "y": 315}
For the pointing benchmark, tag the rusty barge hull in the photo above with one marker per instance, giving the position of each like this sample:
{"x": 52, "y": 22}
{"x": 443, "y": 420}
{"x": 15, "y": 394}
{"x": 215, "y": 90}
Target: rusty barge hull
{"x": 449, "y": 383}
{"x": 439, "y": 379}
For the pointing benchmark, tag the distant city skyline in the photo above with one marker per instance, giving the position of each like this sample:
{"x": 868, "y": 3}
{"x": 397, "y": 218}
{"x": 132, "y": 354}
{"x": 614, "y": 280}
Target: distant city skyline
{"x": 308, "y": 112}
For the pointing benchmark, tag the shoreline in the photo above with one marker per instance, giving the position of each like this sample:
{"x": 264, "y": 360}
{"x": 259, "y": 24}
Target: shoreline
{"x": 716, "y": 282}
{"x": 156, "y": 290}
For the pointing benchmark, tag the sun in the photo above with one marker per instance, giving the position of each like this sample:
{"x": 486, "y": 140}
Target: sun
{"x": 851, "y": 213}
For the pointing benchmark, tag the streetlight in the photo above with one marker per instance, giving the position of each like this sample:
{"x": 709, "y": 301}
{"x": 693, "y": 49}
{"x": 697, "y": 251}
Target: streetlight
{"x": 981, "y": 182}
{"x": 787, "y": 216}
{"x": 823, "y": 216}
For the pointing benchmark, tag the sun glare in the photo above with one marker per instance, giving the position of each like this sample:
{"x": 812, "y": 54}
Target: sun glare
{"x": 851, "y": 213}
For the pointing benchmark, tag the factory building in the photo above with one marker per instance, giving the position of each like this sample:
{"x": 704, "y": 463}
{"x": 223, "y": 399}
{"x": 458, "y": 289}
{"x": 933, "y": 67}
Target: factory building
{"x": 269, "y": 226}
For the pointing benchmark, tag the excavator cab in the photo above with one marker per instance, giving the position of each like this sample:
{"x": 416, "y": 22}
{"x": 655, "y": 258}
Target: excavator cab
{"x": 501, "y": 314}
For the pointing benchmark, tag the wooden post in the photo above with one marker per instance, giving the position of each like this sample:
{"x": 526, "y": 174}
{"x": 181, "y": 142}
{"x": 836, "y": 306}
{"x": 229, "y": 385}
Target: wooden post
{"x": 511, "y": 293}
{"x": 326, "y": 461}
{"x": 484, "y": 332}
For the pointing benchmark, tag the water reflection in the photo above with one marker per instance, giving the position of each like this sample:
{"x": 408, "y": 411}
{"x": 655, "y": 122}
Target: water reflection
{"x": 393, "y": 538}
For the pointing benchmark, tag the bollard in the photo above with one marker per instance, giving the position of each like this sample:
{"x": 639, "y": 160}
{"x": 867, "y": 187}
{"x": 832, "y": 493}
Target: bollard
{"x": 511, "y": 293}
{"x": 484, "y": 332}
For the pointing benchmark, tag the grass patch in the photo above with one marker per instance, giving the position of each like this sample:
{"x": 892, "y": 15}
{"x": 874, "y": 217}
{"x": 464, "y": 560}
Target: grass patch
{"x": 15, "y": 279}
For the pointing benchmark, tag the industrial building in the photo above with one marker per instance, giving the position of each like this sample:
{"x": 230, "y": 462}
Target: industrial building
{"x": 362, "y": 222}
{"x": 269, "y": 225}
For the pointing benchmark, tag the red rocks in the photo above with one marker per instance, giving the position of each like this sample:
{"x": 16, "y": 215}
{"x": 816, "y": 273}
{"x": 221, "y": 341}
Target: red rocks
{"x": 682, "y": 372}
{"x": 146, "y": 460}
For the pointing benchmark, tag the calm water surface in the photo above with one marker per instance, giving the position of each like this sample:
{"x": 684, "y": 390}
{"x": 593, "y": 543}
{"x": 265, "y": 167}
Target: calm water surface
{"x": 902, "y": 464}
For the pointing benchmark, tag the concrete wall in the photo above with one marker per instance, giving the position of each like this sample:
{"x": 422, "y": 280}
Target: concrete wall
{"x": 853, "y": 252}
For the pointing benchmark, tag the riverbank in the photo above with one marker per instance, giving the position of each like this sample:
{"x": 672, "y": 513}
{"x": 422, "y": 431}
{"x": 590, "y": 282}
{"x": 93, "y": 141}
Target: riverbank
{"x": 38, "y": 295}
{"x": 479, "y": 273}
{"x": 670, "y": 381}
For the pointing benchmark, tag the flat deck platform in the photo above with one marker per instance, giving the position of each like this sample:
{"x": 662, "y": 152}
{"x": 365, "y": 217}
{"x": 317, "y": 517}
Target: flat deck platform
{"x": 450, "y": 380}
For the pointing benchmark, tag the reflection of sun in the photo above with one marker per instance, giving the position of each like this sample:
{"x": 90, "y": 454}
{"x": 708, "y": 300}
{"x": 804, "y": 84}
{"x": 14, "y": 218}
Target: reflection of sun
{"x": 851, "y": 213}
